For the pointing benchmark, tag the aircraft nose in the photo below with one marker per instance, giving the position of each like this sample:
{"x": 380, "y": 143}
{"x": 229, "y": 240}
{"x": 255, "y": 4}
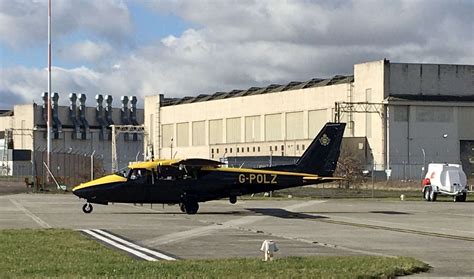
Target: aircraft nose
{"x": 81, "y": 193}
{"x": 86, "y": 192}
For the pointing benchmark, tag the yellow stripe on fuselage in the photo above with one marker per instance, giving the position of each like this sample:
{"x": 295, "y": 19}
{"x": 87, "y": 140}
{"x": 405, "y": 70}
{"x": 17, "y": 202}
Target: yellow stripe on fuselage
{"x": 257, "y": 171}
{"x": 103, "y": 180}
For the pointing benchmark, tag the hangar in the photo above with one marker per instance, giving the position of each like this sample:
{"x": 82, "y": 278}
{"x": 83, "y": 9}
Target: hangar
{"x": 400, "y": 116}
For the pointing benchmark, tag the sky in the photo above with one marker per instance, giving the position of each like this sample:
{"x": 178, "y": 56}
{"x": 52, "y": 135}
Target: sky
{"x": 185, "y": 47}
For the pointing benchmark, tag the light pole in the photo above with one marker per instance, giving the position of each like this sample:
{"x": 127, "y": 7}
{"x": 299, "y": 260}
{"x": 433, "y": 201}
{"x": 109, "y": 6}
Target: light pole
{"x": 48, "y": 158}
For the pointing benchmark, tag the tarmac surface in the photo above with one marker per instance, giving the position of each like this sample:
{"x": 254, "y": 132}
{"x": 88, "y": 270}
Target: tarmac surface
{"x": 440, "y": 234}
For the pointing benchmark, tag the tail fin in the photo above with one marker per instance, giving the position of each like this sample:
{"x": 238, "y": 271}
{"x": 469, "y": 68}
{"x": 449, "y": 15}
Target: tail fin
{"x": 322, "y": 154}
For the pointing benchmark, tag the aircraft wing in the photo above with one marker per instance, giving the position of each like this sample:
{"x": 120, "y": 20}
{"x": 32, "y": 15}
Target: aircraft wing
{"x": 197, "y": 163}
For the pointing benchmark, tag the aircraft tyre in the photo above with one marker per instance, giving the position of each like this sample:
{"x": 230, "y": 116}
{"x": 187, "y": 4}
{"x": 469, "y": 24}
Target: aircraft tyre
{"x": 182, "y": 207}
{"x": 191, "y": 207}
{"x": 87, "y": 208}
{"x": 233, "y": 199}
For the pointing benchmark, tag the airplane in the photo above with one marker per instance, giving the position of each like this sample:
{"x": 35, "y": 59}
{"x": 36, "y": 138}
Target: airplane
{"x": 188, "y": 182}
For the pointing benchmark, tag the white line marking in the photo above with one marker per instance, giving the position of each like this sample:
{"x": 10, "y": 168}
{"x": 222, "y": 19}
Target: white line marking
{"x": 135, "y": 246}
{"x": 31, "y": 215}
{"x": 119, "y": 246}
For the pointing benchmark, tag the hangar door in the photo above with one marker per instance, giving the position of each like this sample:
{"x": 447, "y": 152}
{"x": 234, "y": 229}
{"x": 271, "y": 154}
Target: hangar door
{"x": 467, "y": 157}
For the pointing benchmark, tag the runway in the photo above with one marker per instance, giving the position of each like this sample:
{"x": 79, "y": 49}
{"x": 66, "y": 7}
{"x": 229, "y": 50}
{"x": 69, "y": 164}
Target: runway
{"x": 440, "y": 234}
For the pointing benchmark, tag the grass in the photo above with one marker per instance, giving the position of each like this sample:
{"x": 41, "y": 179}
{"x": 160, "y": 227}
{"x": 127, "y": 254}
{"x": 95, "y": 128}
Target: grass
{"x": 69, "y": 254}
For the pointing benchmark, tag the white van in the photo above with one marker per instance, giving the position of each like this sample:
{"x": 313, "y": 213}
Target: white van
{"x": 445, "y": 179}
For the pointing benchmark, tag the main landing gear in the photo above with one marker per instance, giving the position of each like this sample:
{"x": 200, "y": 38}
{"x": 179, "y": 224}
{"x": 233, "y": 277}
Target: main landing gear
{"x": 87, "y": 208}
{"x": 189, "y": 207}
{"x": 233, "y": 199}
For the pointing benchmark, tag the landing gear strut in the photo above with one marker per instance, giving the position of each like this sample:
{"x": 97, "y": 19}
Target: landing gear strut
{"x": 87, "y": 208}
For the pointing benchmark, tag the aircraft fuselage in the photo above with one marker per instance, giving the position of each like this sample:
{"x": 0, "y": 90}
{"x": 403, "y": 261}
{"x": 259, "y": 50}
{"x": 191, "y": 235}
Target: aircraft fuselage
{"x": 210, "y": 185}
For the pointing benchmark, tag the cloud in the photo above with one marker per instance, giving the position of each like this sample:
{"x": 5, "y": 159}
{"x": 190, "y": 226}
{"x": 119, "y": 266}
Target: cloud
{"x": 23, "y": 83}
{"x": 86, "y": 51}
{"x": 24, "y": 23}
{"x": 238, "y": 44}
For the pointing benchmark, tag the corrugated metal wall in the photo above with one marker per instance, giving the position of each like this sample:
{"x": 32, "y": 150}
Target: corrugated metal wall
{"x": 182, "y": 134}
{"x": 252, "y": 128}
{"x": 294, "y": 125}
{"x": 215, "y": 131}
{"x": 273, "y": 127}
{"x": 316, "y": 120}
{"x": 199, "y": 133}
{"x": 233, "y": 128}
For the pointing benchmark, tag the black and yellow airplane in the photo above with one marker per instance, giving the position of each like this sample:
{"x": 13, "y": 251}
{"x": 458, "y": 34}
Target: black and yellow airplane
{"x": 190, "y": 181}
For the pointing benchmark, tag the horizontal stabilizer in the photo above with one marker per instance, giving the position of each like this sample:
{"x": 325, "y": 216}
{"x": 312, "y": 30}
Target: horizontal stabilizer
{"x": 319, "y": 178}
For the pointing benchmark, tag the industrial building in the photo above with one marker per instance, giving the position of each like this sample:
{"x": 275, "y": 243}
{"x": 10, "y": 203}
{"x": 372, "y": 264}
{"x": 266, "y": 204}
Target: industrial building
{"x": 81, "y": 144}
{"x": 400, "y": 116}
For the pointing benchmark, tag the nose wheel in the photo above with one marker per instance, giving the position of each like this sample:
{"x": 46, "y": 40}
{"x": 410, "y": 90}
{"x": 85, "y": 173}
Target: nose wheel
{"x": 87, "y": 208}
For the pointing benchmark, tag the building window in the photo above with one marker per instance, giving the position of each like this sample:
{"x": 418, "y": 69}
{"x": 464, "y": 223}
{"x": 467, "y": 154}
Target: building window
{"x": 217, "y": 150}
{"x": 271, "y": 149}
{"x": 297, "y": 147}
{"x": 282, "y": 147}
{"x": 231, "y": 150}
{"x": 237, "y": 150}
{"x": 258, "y": 149}
{"x": 248, "y": 149}
{"x": 225, "y": 150}
{"x": 254, "y": 149}
{"x": 276, "y": 148}
{"x": 212, "y": 150}
{"x": 302, "y": 147}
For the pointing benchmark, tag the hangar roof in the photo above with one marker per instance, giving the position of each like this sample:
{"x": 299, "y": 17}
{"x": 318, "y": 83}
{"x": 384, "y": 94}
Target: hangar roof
{"x": 431, "y": 98}
{"x": 272, "y": 88}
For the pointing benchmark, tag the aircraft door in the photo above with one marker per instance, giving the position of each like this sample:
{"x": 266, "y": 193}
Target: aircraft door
{"x": 136, "y": 185}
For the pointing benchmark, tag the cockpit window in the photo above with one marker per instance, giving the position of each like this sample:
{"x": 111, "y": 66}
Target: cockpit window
{"x": 123, "y": 172}
{"x": 136, "y": 173}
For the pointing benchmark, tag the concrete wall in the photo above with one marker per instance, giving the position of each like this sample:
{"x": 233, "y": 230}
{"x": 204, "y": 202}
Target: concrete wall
{"x": 369, "y": 86}
{"x": 431, "y": 79}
